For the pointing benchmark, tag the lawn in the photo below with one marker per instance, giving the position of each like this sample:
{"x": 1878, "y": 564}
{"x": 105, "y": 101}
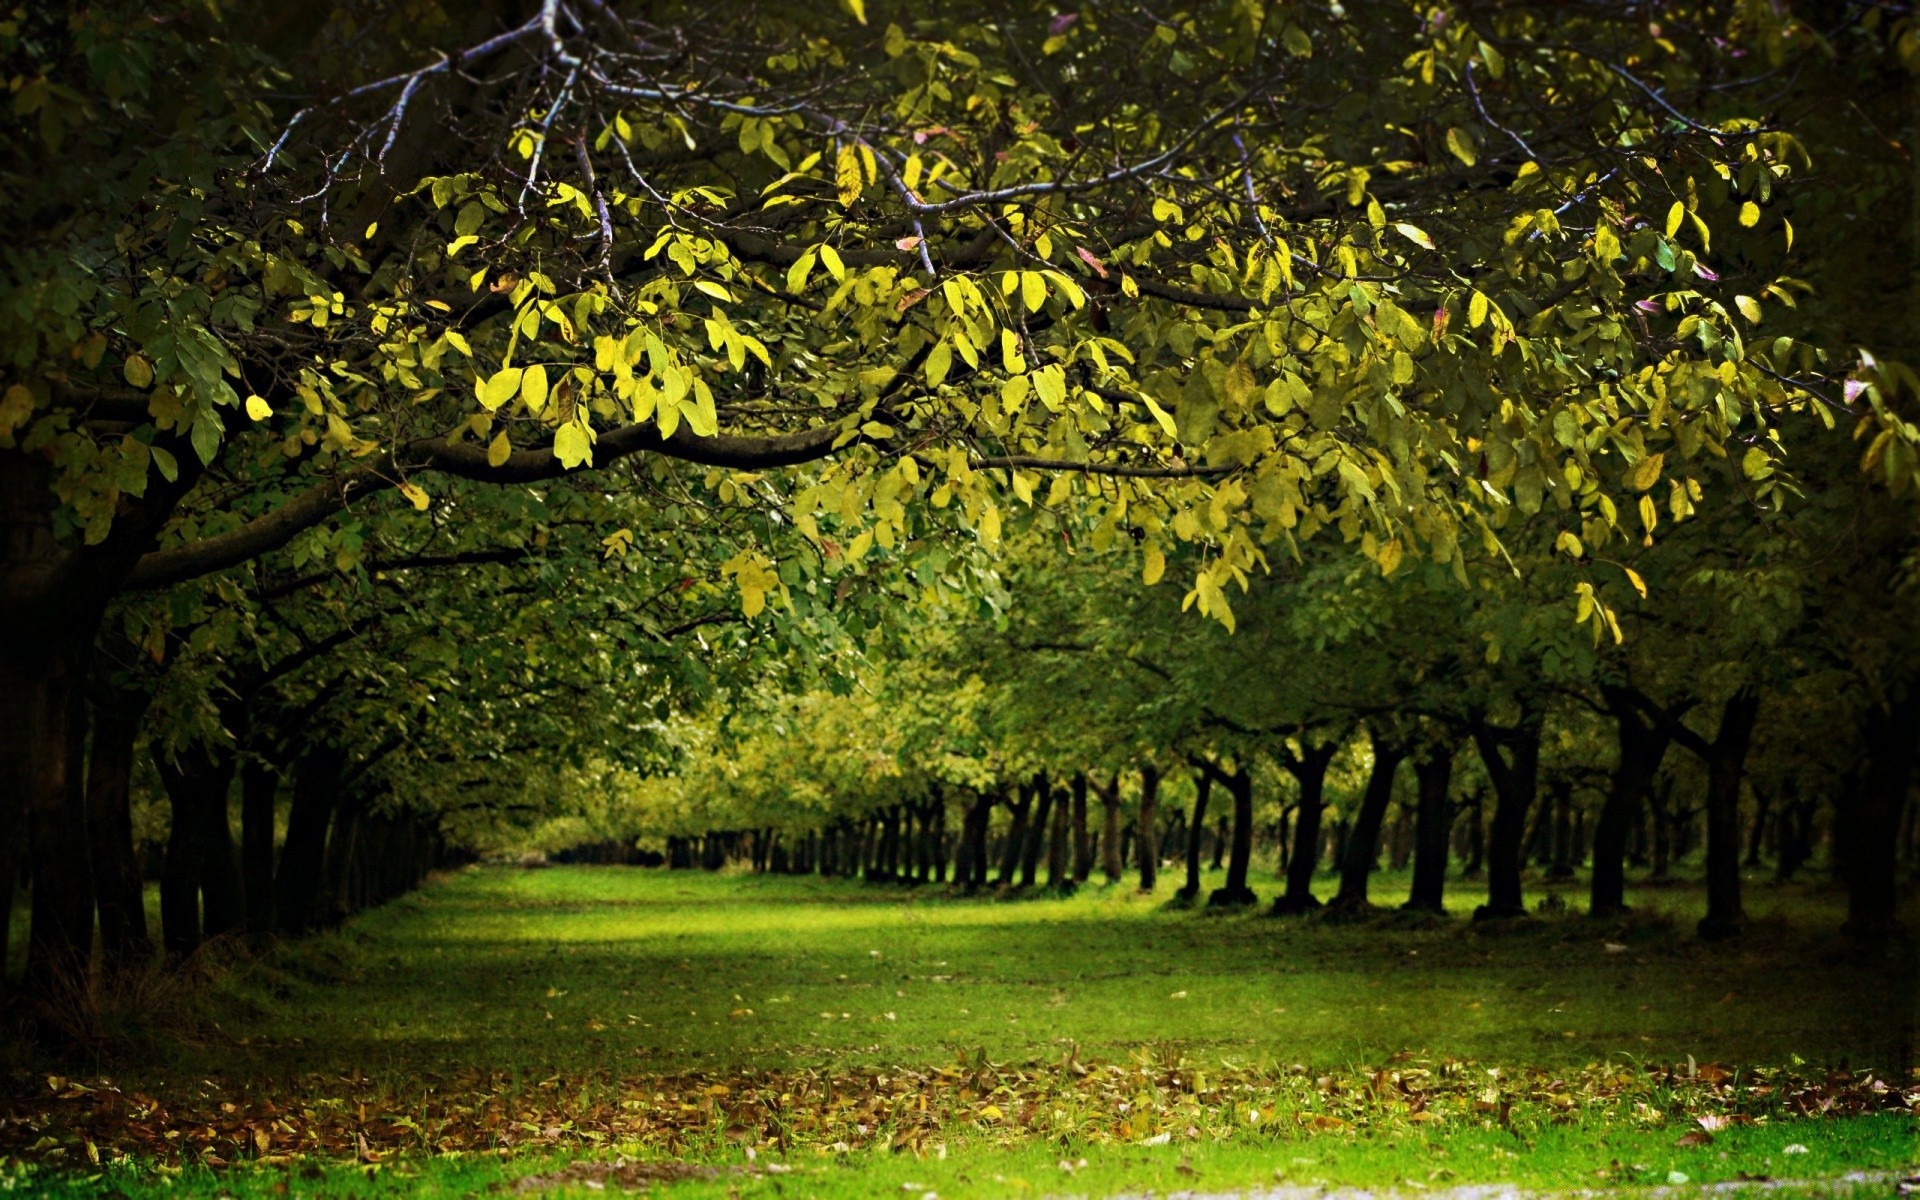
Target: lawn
{"x": 866, "y": 1038}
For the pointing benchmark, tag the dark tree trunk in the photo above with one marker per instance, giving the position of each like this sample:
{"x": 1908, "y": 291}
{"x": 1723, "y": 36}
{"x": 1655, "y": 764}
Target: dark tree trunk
{"x": 124, "y": 940}
{"x": 1433, "y": 816}
{"x": 1038, "y": 831}
{"x": 1236, "y": 893}
{"x": 1147, "y": 844}
{"x": 1512, "y": 760}
{"x": 1726, "y": 765}
{"x": 1872, "y": 817}
{"x": 971, "y": 870}
{"x": 1059, "y": 864}
{"x": 1562, "y": 864}
{"x": 1196, "y": 830}
{"x": 1309, "y": 770}
{"x": 1757, "y": 830}
{"x": 304, "y": 855}
{"x": 1642, "y": 746}
{"x": 1660, "y": 805}
{"x": 1796, "y": 831}
{"x": 42, "y": 721}
{"x": 1082, "y": 848}
{"x": 200, "y": 863}
{"x": 1476, "y": 833}
{"x": 259, "y": 787}
{"x": 1363, "y": 839}
{"x": 1220, "y": 843}
{"x": 1111, "y": 839}
{"x": 1014, "y": 848}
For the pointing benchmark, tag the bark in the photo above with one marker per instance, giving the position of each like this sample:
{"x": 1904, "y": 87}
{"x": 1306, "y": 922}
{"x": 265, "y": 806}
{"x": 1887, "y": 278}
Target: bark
{"x": 1196, "y": 829}
{"x": 1363, "y": 840}
{"x": 196, "y": 781}
{"x": 1082, "y": 850}
{"x": 1236, "y": 893}
{"x": 1512, "y": 760}
{"x": 1309, "y": 770}
{"x": 1037, "y": 832}
{"x": 1111, "y": 840}
{"x": 1870, "y": 867}
{"x": 1432, "y": 818}
{"x": 316, "y": 778}
{"x": 124, "y": 940}
{"x": 971, "y": 870}
{"x": 1642, "y": 747}
{"x": 259, "y": 786}
{"x": 1726, "y": 758}
{"x": 1562, "y": 864}
{"x": 1757, "y": 831}
{"x": 1059, "y": 874}
{"x": 1016, "y": 840}
{"x": 1147, "y": 844}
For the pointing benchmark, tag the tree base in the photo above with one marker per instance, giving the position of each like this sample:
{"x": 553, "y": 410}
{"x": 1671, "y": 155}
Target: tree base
{"x": 1433, "y": 908}
{"x": 1346, "y": 912}
{"x": 1608, "y": 912}
{"x": 1720, "y": 929}
{"x": 1294, "y": 906}
{"x": 1503, "y": 912}
{"x": 1232, "y": 898}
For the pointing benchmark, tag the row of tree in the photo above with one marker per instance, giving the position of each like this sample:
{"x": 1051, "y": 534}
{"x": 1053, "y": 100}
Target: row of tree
{"x": 419, "y": 427}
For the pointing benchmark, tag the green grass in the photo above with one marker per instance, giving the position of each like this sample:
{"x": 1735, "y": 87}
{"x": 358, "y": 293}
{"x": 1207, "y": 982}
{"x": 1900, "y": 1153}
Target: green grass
{"x": 596, "y": 980}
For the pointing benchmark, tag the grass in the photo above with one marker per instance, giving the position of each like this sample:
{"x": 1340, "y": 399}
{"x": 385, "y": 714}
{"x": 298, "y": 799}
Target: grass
{"x": 567, "y": 989}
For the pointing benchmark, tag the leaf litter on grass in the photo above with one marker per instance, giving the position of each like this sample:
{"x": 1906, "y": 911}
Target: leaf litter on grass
{"x": 1153, "y": 1099}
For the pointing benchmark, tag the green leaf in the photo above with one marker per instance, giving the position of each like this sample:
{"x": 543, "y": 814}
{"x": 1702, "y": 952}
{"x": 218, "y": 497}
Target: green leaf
{"x": 939, "y": 362}
{"x": 499, "y": 389}
{"x": 573, "y": 445}
{"x": 533, "y": 388}
{"x": 1460, "y": 143}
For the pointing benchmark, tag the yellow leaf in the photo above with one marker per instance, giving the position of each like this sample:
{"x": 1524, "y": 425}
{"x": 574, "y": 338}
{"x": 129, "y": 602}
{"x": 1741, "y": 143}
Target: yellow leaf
{"x": 1645, "y": 473}
{"x": 1033, "y": 289}
{"x": 499, "y": 449}
{"x": 1476, "y": 310}
{"x": 847, "y": 174}
{"x": 1010, "y": 355}
{"x": 1391, "y": 553}
{"x": 1675, "y": 215}
{"x": 1749, "y": 308}
{"x": 415, "y": 496}
{"x": 1462, "y": 146}
{"x": 137, "y": 371}
{"x": 831, "y": 258}
{"x": 1649, "y": 516}
{"x": 533, "y": 387}
{"x": 501, "y": 388}
{"x": 1639, "y": 584}
{"x": 258, "y": 408}
{"x": 1749, "y": 215}
{"x": 1164, "y": 417}
{"x": 1155, "y": 566}
{"x": 859, "y": 10}
{"x": 991, "y": 1113}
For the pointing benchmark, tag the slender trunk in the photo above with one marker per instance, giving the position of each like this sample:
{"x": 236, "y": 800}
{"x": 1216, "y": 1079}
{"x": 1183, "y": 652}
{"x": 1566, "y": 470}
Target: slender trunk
{"x": 41, "y": 721}
{"x": 1562, "y": 865}
{"x": 259, "y": 786}
{"x": 1660, "y": 804}
{"x": 1515, "y": 775}
{"x": 1110, "y": 835}
{"x": 1196, "y": 829}
{"x": 196, "y": 781}
{"x": 1146, "y": 842}
{"x": 1642, "y": 746}
{"x": 1476, "y": 833}
{"x": 1433, "y": 770}
{"x": 971, "y": 870}
{"x": 1082, "y": 849}
{"x": 1309, "y": 770}
{"x": 1220, "y": 843}
{"x": 1037, "y": 832}
{"x": 1236, "y": 893}
{"x": 1725, "y": 767}
{"x": 1757, "y": 831}
{"x": 1019, "y": 811}
{"x": 124, "y": 940}
{"x": 223, "y": 897}
{"x": 1059, "y": 876}
{"x": 341, "y": 875}
{"x": 1363, "y": 840}
{"x": 1871, "y": 868}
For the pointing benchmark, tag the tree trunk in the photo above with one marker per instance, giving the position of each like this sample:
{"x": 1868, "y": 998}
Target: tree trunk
{"x": 1196, "y": 830}
{"x": 196, "y": 782}
{"x": 124, "y": 940}
{"x": 1309, "y": 770}
{"x": 1562, "y": 864}
{"x": 1236, "y": 893}
{"x": 259, "y": 786}
{"x": 1059, "y": 866}
{"x": 1037, "y": 832}
{"x": 1082, "y": 849}
{"x": 1476, "y": 834}
{"x": 1725, "y": 767}
{"x": 40, "y": 794}
{"x": 1432, "y": 818}
{"x": 1871, "y": 866}
{"x": 302, "y": 877}
{"x": 1015, "y": 846}
{"x": 1642, "y": 746}
{"x": 1146, "y": 841}
{"x": 1110, "y": 833}
{"x": 1363, "y": 840}
{"x": 971, "y": 871}
{"x": 1515, "y": 779}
